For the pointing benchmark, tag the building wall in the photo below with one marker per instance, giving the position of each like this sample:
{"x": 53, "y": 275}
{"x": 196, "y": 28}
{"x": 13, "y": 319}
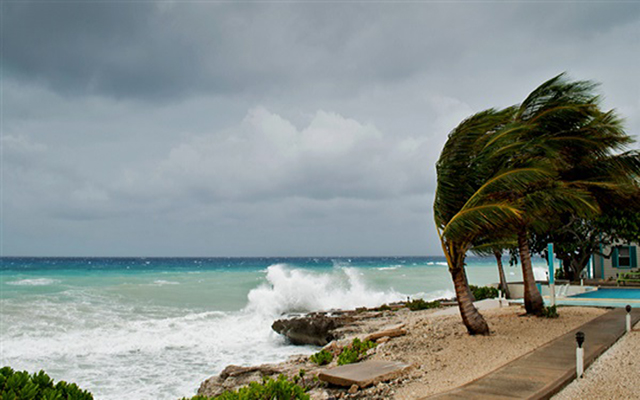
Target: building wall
{"x": 604, "y": 267}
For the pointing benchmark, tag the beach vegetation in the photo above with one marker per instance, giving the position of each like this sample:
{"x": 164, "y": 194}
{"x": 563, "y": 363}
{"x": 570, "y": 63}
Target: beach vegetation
{"x": 22, "y": 385}
{"x": 355, "y": 351}
{"x": 299, "y": 378}
{"x": 483, "y": 292}
{"x": 322, "y": 357}
{"x": 550, "y": 312}
{"x": 384, "y": 307}
{"x": 421, "y": 304}
{"x": 280, "y": 388}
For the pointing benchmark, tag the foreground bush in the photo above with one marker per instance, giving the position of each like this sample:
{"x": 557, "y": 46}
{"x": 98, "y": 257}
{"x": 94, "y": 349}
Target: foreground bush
{"x": 420, "y": 304}
{"x": 280, "y": 389}
{"x": 21, "y": 385}
{"x": 322, "y": 357}
{"x": 483, "y": 292}
{"x": 549, "y": 312}
{"x": 355, "y": 351}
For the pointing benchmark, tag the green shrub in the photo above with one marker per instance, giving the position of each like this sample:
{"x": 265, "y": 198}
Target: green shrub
{"x": 420, "y": 304}
{"x": 483, "y": 292}
{"x": 322, "y": 357}
{"x": 355, "y": 351}
{"x": 277, "y": 389}
{"x": 21, "y": 385}
{"x": 549, "y": 312}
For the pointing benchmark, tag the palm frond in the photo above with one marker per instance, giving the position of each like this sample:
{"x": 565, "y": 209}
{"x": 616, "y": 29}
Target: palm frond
{"x": 510, "y": 181}
{"x": 473, "y": 221}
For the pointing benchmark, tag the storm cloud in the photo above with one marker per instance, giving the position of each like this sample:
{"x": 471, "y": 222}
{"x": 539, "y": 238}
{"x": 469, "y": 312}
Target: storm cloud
{"x": 310, "y": 128}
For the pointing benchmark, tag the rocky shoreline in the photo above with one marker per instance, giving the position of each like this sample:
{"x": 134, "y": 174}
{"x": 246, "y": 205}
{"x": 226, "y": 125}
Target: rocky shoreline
{"x": 441, "y": 353}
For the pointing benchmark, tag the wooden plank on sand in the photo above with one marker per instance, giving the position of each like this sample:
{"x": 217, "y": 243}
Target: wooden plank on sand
{"x": 364, "y": 374}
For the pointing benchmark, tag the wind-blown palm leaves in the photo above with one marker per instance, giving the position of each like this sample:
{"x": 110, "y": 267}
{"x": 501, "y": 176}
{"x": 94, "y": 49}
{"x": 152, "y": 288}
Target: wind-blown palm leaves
{"x": 470, "y": 198}
{"x": 562, "y": 122}
{"x": 515, "y": 170}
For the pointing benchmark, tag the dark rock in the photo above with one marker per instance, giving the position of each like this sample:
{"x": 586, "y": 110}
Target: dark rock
{"x": 315, "y": 328}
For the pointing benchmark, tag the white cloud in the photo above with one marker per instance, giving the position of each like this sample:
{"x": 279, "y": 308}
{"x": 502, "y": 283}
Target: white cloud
{"x": 266, "y": 156}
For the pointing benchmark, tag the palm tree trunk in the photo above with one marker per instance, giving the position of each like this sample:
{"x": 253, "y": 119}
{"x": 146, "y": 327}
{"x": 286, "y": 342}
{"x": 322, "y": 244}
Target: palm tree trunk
{"x": 472, "y": 319}
{"x": 503, "y": 279}
{"x": 532, "y": 299}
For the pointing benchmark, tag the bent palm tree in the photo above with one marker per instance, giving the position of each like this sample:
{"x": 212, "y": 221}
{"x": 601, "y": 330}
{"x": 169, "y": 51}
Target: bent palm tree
{"x": 468, "y": 201}
{"x": 511, "y": 169}
{"x": 561, "y": 122}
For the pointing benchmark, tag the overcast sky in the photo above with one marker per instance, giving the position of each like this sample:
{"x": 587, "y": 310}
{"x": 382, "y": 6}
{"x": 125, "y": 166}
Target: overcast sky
{"x": 268, "y": 128}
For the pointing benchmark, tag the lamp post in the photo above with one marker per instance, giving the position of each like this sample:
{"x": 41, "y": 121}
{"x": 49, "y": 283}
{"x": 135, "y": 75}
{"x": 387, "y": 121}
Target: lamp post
{"x": 628, "y": 308}
{"x": 579, "y": 354}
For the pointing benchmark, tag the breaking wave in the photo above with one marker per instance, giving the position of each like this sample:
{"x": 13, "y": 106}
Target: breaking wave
{"x": 290, "y": 290}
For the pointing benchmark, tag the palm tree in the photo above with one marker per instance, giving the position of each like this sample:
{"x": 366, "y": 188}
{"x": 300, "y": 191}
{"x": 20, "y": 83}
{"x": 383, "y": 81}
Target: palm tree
{"x": 510, "y": 170}
{"x": 469, "y": 202}
{"x": 561, "y": 122}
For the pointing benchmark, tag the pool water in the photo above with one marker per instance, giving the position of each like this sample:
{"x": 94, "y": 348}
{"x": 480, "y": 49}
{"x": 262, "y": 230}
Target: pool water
{"x": 611, "y": 294}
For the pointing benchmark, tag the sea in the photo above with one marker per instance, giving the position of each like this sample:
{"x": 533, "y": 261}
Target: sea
{"x": 155, "y": 328}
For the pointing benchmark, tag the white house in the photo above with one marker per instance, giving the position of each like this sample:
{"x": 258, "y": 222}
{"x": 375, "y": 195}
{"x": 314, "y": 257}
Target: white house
{"x": 624, "y": 258}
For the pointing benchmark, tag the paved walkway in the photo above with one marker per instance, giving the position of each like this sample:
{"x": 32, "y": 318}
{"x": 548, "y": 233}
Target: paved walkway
{"x": 545, "y": 371}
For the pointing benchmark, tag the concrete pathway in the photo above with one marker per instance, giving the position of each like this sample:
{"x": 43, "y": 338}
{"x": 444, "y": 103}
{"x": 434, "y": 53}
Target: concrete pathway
{"x": 543, "y": 372}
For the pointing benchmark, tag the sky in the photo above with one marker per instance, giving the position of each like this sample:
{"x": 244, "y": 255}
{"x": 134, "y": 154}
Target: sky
{"x": 283, "y": 128}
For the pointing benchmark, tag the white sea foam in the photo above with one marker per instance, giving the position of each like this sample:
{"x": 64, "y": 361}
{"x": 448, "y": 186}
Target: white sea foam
{"x": 296, "y": 290}
{"x": 110, "y": 348}
{"x": 161, "y": 282}
{"x": 34, "y": 282}
{"x": 391, "y": 268}
{"x": 437, "y": 263}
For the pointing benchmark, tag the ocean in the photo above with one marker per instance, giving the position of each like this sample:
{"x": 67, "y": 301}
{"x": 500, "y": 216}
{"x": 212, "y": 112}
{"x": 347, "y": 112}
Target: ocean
{"x": 154, "y": 328}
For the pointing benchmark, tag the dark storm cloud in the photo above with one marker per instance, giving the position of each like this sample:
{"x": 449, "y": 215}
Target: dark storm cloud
{"x": 268, "y": 128}
{"x": 153, "y": 50}
{"x": 95, "y": 47}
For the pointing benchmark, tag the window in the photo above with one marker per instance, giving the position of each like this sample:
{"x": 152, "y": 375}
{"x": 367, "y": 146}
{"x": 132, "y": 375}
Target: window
{"x": 624, "y": 257}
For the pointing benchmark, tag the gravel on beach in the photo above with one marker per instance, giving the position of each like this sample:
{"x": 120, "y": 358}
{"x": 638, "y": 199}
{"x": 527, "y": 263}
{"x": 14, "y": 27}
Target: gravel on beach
{"x": 614, "y": 375}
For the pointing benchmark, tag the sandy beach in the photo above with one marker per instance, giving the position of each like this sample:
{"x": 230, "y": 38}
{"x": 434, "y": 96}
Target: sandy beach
{"x": 444, "y": 356}
{"x": 447, "y": 357}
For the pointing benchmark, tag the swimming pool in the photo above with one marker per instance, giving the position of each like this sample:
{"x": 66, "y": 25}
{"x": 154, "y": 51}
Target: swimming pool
{"x": 610, "y": 293}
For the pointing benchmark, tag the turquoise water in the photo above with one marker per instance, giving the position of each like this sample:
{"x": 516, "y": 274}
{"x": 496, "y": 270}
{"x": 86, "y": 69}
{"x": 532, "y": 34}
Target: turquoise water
{"x": 147, "y": 328}
{"x": 633, "y": 294}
